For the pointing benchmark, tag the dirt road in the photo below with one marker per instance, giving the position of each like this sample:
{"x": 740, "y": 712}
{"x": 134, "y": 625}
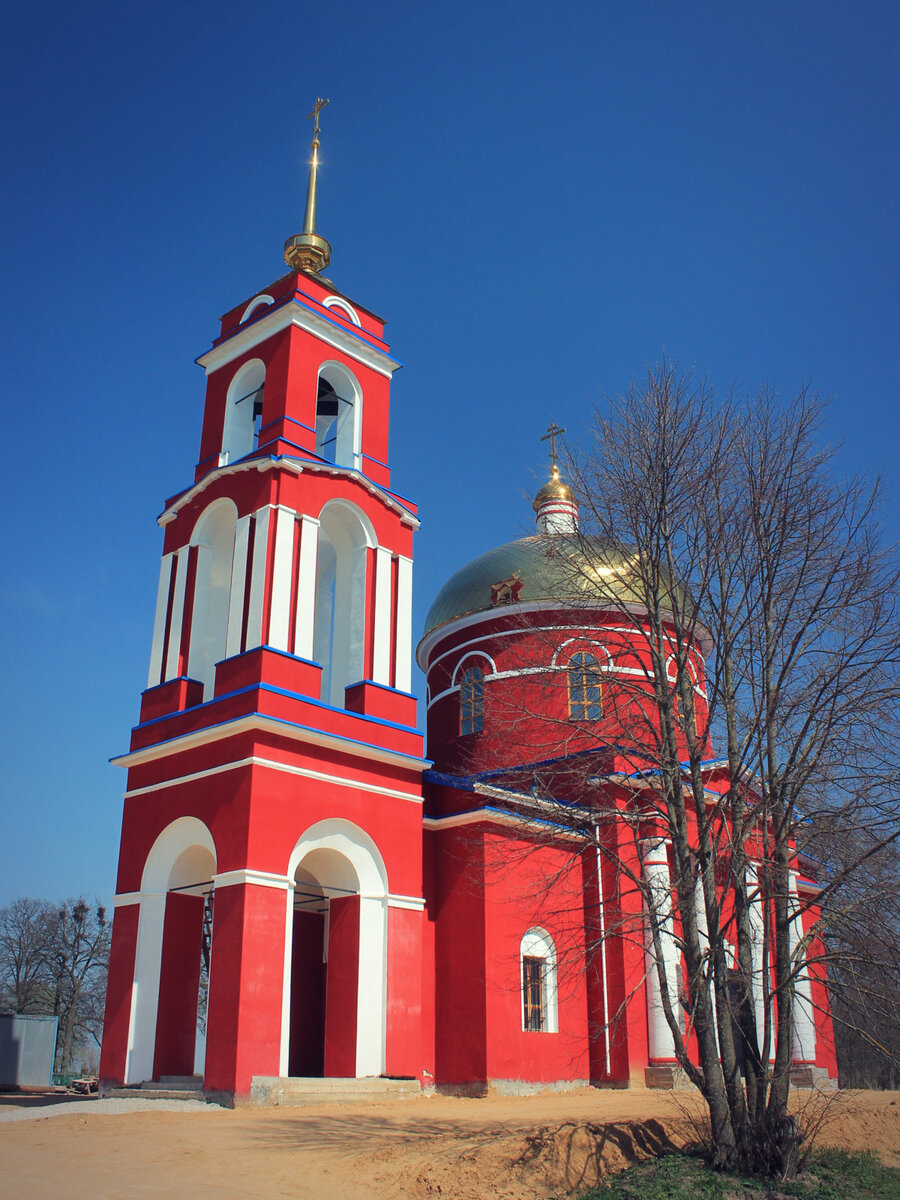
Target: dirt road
{"x": 514, "y": 1149}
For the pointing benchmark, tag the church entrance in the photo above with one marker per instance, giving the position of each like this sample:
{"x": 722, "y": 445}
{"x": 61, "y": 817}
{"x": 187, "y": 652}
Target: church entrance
{"x": 336, "y": 1006}
{"x": 324, "y": 967}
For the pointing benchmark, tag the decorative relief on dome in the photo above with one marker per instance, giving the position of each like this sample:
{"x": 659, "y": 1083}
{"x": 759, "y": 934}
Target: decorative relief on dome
{"x": 507, "y": 590}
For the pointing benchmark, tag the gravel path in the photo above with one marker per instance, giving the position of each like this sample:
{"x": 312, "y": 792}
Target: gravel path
{"x": 93, "y": 1107}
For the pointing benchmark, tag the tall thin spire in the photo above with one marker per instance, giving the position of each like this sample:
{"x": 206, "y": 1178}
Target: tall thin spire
{"x": 307, "y": 251}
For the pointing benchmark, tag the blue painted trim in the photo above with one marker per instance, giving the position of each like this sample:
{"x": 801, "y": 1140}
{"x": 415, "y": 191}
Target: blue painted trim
{"x": 372, "y": 458}
{"x": 276, "y": 691}
{"x": 279, "y": 721}
{"x": 384, "y": 687}
{"x": 166, "y": 682}
{"x": 273, "y": 650}
{"x": 367, "y": 339}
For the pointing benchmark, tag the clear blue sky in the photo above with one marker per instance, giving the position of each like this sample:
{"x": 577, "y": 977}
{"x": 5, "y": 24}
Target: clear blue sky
{"x": 540, "y": 199}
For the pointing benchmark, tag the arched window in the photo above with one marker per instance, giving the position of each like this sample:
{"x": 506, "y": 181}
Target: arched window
{"x": 337, "y": 417}
{"x": 340, "y": 612}
{"x": 243, "y": 412}
{"x": 471, "y": 701}
{"x": 537, "y": 955}
{"x": 213, "y": 538}
{"x": 585, "y": 696}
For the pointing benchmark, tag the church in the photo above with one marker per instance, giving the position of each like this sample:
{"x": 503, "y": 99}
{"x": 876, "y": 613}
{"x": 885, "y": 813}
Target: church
{"x": 307, "y": 890}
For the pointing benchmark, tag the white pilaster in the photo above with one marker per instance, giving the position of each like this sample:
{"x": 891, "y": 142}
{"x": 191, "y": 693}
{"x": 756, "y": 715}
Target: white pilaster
{"x": 306, "y": 587}
{"x": 145, "y": 989}
{"x": 371, "y": 999}
{"x": 381, "y": 634}
{"x": 159, "y": 621}
{"x": 282, "y": 578}
{"x": 403, "y": 636}
{"x": 258, "y": 578}
{"x": 804, "y": 1026}
{"x": 656, "y": 875}
{"x": 238, "y": 584}
{"x": 181, "y": 568}
{"x": 756, "y": 921}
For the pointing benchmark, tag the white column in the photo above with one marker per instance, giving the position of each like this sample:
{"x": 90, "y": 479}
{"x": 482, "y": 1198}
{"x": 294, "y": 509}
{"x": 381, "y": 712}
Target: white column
{"x": 703, "y": 939}
{"x": 403, "y": 635}
{"x": 284, "y": 1052}
{"x": 306, "y": 588}
{"x": 371, "y": 998}
{"x": 238, "y": 584}
{"x": 381, "y": 634}
{"x": 756, "y": 922}
{"x": 656, "y": 875}
{"x": 159, "y": 622}
{"x": 145, "y": 988}
{"x": 258, "y": 578}
{"x": 181, "y": 566}
{"x": 804, "y": 1026}
{"x": 282, "y": 578}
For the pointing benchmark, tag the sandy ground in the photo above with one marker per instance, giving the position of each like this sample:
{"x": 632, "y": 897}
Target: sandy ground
{"x": 454, "y": 1149}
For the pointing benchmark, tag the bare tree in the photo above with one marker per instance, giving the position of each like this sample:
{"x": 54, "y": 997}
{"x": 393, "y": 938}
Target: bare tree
{"x": 758, "y": 609}
{"x": 79, "y": 962}
{"x": 53, "y": 959}
{"x": 25, "y": 937}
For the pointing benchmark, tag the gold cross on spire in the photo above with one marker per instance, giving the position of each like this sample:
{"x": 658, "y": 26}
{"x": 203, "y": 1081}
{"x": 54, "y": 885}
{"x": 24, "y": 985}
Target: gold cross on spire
{"x": 307, "y": 251}
{"x": 317, "y": 108}
{"x": 553, "y": 432}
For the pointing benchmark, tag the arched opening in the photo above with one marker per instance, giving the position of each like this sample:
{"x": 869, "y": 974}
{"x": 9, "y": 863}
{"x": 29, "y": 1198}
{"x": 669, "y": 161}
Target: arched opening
{"x": 243, "y": 412}
{"x": 336, "y": 995}
{"x": 172, "y": 955}
{"x": 340, "y": 612}
{"x": 338, "y": 409}
{"x": 537, "y": 956}
{"x": 214, "y": 536}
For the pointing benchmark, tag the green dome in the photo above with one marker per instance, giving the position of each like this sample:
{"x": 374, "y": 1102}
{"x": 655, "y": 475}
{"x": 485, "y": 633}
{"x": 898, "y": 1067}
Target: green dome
{"x": 551, "y": 567}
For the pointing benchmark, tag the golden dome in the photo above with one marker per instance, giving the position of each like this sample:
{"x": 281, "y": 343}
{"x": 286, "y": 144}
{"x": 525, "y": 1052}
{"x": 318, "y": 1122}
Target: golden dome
{"x": 554, "y": 489}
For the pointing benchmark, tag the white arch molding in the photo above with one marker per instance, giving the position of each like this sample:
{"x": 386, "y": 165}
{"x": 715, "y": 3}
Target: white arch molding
{"x": 537, "y": 943}
{"x": 346, "y": 447}
{"x": 237, "y": 431}
{"x": 352, "y": 853}
{"x": 258, "y": 302}
{"x": 343, "y": 307}
{"x": 184, "y": 853}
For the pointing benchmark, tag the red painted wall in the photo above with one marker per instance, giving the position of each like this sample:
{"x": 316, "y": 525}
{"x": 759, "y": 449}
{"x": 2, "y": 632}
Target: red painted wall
{"x": 176, "y": 1019}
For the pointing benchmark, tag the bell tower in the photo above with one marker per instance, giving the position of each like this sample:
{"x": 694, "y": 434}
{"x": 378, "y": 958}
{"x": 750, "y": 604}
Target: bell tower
{"x": 271, "y": 851}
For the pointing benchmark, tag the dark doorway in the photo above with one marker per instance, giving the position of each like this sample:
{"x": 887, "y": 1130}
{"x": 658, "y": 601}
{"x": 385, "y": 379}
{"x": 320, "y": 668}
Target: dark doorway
{"x": 306, "y": 1052}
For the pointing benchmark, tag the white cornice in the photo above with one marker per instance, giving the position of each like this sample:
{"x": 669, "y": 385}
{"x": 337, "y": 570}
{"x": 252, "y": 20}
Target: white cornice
{"x": 466, "y": 620}
{"x": 259, "y": 722}
{"x": 294, "y": 312}
{"x": 298, "y": 466}
{"x": 254, "y": 760}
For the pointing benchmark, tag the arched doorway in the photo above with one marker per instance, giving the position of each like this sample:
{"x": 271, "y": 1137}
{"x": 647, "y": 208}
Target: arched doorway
{"x": 335, "y": 1002}
{"x": 173, "y": 929}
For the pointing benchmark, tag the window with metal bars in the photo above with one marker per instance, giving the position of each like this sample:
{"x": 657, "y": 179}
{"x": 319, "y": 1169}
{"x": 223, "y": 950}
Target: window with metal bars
{"x": 585, "y": 695}
{"x": 533, "y": 994}
{"x": 471, "y": 701}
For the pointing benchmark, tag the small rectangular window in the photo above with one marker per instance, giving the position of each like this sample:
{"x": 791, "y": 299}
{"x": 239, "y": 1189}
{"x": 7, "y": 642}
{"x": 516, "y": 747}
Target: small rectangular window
{"x": 471, "y": 701}
{"x": 533, "y": 994}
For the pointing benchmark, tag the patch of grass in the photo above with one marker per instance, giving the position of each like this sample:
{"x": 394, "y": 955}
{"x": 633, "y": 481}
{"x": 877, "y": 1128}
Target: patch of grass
{"x": 829, "y": 1175}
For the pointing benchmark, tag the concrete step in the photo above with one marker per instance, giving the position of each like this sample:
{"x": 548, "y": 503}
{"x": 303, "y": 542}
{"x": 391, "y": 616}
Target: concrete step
{"x": 296, "y": 1092}
{"x": 141, "y": 1092}
{"x": 184, "y": 1083}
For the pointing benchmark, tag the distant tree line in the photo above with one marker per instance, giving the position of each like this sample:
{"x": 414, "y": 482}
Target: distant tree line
{"x": 53, "y": 961}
